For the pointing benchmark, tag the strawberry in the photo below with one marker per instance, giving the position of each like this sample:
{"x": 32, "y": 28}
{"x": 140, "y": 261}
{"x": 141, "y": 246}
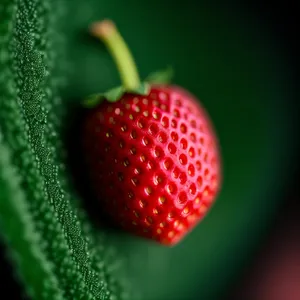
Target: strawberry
{"x": 151, "y": 152}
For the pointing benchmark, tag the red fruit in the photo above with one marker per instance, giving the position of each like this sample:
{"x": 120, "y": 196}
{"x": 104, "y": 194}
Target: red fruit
{"x": 153, "y": 161}
{"x": 152, "y": 156}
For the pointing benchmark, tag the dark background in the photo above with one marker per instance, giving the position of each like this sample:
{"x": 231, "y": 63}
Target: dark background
{"x": 268, "y": 271}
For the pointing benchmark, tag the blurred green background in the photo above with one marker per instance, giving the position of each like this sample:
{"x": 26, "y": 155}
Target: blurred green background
{"x": 231, "y": 63}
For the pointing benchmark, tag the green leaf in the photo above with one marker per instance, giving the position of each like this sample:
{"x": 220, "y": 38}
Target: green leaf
{"x": 53, "y": 247}
{"x": 161, "y": 77}
{"x": 114, "y": 95}
{"x": 32, "y": 265}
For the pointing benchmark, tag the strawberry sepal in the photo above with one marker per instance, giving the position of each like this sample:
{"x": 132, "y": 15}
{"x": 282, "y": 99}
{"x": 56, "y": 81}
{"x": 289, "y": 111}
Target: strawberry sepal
{"x": 116, "y": 93}
{"x": 161, "y": 77}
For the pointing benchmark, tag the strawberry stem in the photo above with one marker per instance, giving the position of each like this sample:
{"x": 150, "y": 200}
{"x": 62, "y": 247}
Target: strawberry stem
{"x": 107, "y": 31}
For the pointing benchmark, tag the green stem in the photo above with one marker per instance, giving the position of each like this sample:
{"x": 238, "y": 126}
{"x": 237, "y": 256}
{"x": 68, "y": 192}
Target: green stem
{"x": 108, "y": 33}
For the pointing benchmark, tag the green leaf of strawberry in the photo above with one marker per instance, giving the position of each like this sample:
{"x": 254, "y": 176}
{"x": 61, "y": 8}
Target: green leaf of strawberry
{"x": 115, "y": 94}
{"x": 161, "y": 77}
{"x": 151, "y": 151}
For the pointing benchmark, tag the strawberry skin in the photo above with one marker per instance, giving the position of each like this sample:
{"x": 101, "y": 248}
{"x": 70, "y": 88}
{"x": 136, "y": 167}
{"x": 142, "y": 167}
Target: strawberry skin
{"x": 153, "y": 162}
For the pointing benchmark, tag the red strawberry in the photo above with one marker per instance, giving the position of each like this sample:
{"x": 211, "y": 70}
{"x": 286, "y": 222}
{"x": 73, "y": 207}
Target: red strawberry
{"x": 153, "y": 160}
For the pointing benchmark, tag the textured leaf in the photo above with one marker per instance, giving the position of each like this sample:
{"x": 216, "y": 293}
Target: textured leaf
{"x": 23, "y": 239}
{"x": 53, "y": 248}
